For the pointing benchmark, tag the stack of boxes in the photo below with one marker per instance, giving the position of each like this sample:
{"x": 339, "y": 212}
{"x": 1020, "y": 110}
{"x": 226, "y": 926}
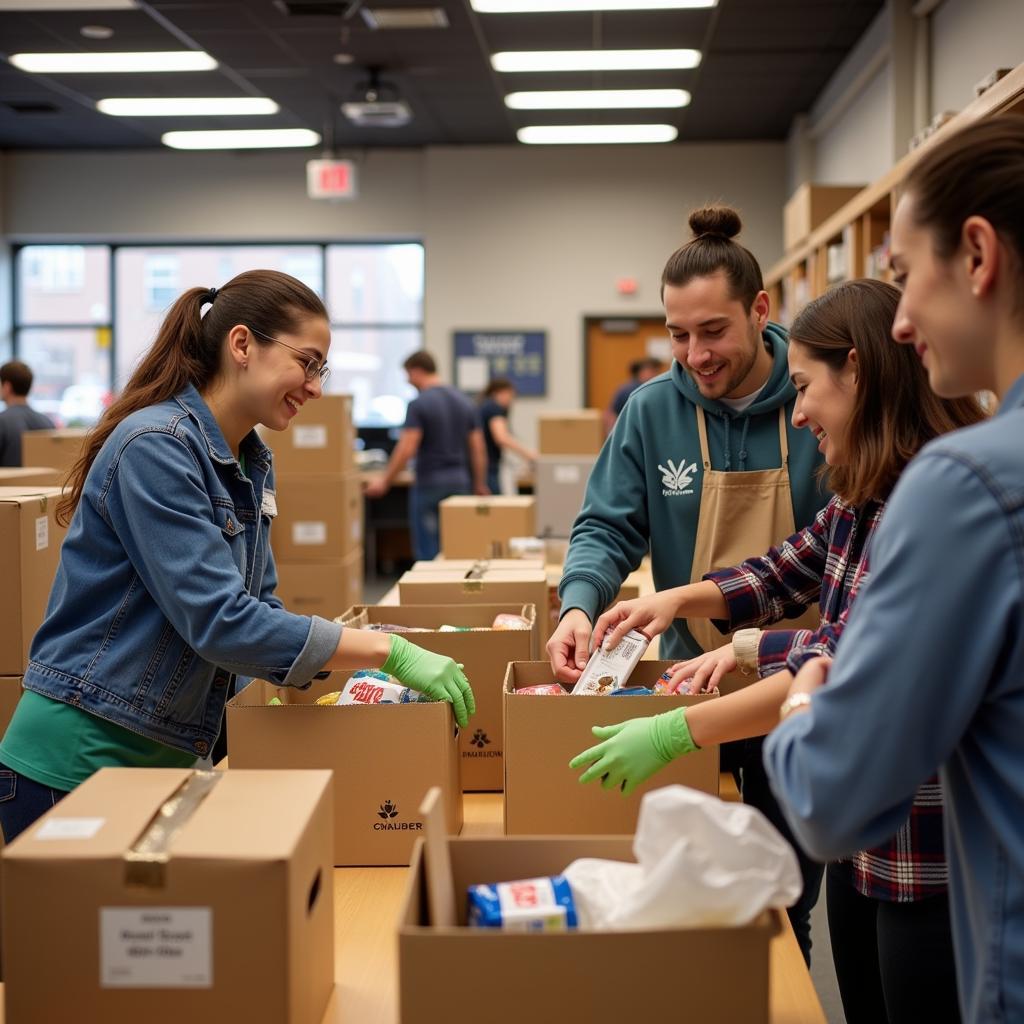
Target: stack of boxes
{"x": 317, "y": 537}
{"x": 57, "y": 449}
{"x": 569, "y": 444}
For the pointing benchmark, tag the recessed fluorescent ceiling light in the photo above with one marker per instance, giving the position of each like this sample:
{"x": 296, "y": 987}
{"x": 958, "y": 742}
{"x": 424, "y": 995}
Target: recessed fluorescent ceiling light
{"x": 597, "y": 99}
{"x": 595, "y": 134}
{"x": 67, "y": 5}
{"x": 254, "y": 138}
{"x": 594, "y": 60}
{"x": 88, "y": 63}
{"x": 186, "y": 106}
{"x": 550, "y": 6}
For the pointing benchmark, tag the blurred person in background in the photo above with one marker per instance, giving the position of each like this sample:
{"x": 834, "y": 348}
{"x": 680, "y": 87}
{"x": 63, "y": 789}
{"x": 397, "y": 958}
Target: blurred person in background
{"x": 495, "y": 405}
{"x": 18, "y": 416}
{"x": 640, "y": 372}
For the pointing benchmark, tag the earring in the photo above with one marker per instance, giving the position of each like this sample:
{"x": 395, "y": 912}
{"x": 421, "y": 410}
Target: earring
{"x": 245, "y": 365}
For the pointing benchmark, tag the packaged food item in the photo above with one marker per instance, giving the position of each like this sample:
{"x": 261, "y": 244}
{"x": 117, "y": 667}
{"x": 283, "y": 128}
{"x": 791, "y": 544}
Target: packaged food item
{"x": 455, "y": 629}
{"x": 632, "y": 691}
{"x": 274, "y": 701}
{"x": 610, "y": 670}
{"x": 370, "y": 686}
{"x": 532, "y": 905}
{"x": 506, "y": 620}
{"x": 391, "y": 627}
{"x": 546, "y": 689}
{"x": 666, "y": 688}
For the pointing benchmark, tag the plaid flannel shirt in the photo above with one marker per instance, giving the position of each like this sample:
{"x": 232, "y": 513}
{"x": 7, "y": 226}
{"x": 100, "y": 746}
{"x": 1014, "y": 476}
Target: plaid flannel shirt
{"x": 826, "y": 562}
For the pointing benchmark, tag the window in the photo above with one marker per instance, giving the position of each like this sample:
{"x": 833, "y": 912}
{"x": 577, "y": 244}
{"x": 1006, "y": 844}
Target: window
{"x": 83, "y": 346}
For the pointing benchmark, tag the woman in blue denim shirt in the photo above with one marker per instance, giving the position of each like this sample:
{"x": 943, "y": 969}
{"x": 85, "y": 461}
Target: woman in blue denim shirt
{"x": 165, "y": 587}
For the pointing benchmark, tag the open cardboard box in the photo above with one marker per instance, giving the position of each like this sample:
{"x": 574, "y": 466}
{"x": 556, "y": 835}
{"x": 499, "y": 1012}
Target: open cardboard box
{"x": 543, "y": 795}
{"x": 713, "y": 975}
{"x": 166, "y": 895}
{"x": 384, "y": 757}
{"x": 485, "y": 653}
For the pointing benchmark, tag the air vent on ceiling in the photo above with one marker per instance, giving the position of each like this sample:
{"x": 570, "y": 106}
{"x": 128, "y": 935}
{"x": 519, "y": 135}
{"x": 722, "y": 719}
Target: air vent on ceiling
{"x": 378, "y": 113}
{"x": 404, "y": 17}
{"x": 28, "y": 107}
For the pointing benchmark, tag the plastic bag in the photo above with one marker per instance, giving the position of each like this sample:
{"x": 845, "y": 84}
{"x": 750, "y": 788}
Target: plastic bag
{"x": 700, "y": 862}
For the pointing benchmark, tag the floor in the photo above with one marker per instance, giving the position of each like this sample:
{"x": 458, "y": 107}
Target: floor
{"x": 822, "y": 971}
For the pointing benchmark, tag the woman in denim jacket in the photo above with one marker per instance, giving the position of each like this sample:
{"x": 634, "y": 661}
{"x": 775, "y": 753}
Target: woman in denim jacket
{"x": 165, "y": 587}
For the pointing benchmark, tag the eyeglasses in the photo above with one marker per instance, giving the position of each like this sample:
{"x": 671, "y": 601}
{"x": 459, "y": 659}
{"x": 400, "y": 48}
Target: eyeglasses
{"x": 314, "y": 368}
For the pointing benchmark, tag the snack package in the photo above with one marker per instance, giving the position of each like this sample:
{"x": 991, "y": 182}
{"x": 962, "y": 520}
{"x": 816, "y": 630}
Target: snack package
{"x": 506, "y": 620}
{"x": 546, "y": 689}
{"x": 610, "y": 670}
{"x": 665, "y": 687}
{"x": 455, "y": 629}
{"x": 532, "y": 905}
{"x": 391, "y": 627}
{"x": 633, "y": 691}
{"x": 370, "y": 686}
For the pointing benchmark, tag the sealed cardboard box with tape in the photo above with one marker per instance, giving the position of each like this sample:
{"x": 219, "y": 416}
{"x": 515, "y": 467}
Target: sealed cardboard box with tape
{"x": 319, "y": 518}
{"x": 484, "y": 651}
{"x": 319, "y": 440}
{"x": 544, "y": 733}
{"x": 57, "y": 449}
{"x": 166, "y": 895}
{"x": 30, "y": 541}
{"x": 384, "y": 757}
{"x": 560, "y": 484}
{"x": 29, "y": 476}
{"x": 570, "y": 433}
{"x": 602, "y": 977}
{"x": 321, "y": 588}
{"x": 473, "y": 527}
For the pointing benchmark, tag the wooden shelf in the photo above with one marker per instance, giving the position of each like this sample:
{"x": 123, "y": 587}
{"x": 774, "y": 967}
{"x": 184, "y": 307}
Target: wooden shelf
{"x": 868, "y": 214}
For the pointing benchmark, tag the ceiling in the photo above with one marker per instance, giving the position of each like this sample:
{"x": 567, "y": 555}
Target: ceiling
{"x": 764, "y": 62}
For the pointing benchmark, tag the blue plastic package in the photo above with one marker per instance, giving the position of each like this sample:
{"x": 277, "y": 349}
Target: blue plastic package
{"x": 531, "y": 905}
{"x": 632, "y": 691}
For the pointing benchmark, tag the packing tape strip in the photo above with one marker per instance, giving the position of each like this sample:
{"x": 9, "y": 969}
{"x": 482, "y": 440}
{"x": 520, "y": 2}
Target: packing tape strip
{"x": 146, "y": 861}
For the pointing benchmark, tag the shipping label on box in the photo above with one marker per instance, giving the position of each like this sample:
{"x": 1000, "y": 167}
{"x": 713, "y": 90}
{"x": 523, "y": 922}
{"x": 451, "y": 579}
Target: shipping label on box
{"x": 576, "y": 976}
{"x": 145, "y": 885}
{"x": 320, "y": 518}
{"x": 544, "y": 733}
{"x": 30, "y": 541}
{"x": 474, "y": 527}
{"x": 484, "y": 651}
{"x": 384, "y": 757}
{"x": 319, "y": 440}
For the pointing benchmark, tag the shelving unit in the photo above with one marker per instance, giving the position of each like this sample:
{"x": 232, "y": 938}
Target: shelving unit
{"x": 858, "y": 233}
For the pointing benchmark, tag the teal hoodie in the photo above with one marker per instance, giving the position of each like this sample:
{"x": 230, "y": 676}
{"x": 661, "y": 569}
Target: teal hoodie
{"x": 645, "y": 488}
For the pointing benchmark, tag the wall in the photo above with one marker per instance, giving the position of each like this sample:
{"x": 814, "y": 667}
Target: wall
{"x": 515, "y": 237}
{"x": 970, "y": 38}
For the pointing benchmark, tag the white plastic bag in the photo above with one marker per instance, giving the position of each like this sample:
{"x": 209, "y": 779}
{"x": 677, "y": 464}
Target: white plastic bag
{"x": 700, "y": 861}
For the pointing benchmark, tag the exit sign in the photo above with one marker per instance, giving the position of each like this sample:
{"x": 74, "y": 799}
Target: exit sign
{"x": 331, "y": 179}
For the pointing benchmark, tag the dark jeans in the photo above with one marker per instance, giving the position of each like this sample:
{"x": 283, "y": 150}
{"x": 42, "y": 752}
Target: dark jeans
{"x": 493, "y": 480}
{"x": 22, "y": 801}
{"x": 744, "y": 759}
{"x": 424, "y": 517}
{"x": 894, "y": 961}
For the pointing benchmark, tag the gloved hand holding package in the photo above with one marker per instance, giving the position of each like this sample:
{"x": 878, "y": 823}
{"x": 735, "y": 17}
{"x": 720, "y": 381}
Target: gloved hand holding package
{"x": 433, "y": 674}
{"x": 631, "y": 752}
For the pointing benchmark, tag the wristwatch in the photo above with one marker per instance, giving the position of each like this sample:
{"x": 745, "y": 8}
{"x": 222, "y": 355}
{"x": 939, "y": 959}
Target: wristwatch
{"x": 792, "y": 702}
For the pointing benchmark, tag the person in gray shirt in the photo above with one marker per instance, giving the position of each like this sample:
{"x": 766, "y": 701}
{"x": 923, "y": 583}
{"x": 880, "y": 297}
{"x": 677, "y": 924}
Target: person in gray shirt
{"x": 19, "y": 416}
{"x": 442, "y": 431}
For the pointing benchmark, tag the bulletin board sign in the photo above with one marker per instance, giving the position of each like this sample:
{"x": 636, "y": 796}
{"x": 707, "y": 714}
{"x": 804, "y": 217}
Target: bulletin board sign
{"x": 521, "y": 356}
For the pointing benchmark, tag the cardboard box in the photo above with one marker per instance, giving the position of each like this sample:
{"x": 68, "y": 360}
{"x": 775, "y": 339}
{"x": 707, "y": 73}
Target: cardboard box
{"x": 321, "y": 588}
{"x": 10, "y": 694}
{"x": 543, "y": 734}
{"x": 560, "y": 485}
{"x": 231, "y": 919}
{"x": 58, "y": 449}
{"x": 482, "y": 585}
{"x": 571, "y": 433}
{"x": 711, "y": 975}
{"x": 29, "y": 476}
{"x": 319, "y": 518}
{"x": 473, "y": 527}
{"x": 485, "y": 653}
{"x": 809, "y": 207}
{"x": 439, "y": 564}
{"x": 30, "y": 541}
{"x": 319, "y": 440}
{"x": 384, "y": 758}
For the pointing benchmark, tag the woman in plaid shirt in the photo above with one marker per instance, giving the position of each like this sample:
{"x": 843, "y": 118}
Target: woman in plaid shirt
{"x": 868, "y": 402}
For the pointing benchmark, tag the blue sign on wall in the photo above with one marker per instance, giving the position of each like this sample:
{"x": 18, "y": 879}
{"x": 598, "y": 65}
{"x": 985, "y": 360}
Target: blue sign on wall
{"x": 518, "y": 355}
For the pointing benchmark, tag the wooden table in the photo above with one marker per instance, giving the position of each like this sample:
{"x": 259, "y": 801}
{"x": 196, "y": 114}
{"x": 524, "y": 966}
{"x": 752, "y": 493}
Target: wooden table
{"x": 366, "y": 947}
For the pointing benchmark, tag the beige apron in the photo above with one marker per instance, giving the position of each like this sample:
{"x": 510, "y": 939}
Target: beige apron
{"x": 741, "y": 515}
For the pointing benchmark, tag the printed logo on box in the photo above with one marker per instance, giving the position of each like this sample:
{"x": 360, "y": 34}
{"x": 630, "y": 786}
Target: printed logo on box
{"x": 480, "y": 740}
{"x": 389, "y": 811}
{"x": 677, "y": 479}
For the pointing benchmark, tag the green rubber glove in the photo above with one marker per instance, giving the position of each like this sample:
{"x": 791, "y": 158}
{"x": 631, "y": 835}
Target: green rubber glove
{"x": 631, "y": 752}
{"x": 433, "y": 674}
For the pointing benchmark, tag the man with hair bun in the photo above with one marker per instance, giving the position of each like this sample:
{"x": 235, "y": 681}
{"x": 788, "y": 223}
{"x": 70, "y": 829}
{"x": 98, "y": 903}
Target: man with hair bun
{"x": 704, "y": 469}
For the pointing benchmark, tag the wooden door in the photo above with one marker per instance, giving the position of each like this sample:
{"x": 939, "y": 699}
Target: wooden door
{"x": 612, "y": 344}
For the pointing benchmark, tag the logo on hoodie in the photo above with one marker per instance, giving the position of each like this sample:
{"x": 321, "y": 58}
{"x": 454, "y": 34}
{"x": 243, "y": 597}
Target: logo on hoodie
{"x": 677, "y": 479}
